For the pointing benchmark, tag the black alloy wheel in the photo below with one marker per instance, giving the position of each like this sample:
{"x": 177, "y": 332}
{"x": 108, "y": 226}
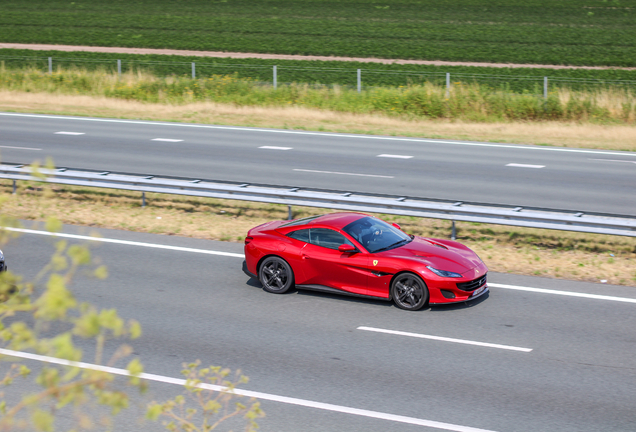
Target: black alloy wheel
{"x": 409, "y": 292}
{"x": 276, "y": 275}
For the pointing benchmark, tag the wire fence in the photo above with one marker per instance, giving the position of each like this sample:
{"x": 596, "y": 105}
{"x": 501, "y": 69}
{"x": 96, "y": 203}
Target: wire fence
{"x": 323, "y": 76}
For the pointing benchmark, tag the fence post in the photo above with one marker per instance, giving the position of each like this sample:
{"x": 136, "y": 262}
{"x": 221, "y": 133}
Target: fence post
{"x": 14, "y": 187}
{"x": 359, "y": 80}
{"x": 545, "y": 87}
{"x": 194, "y": 73}
{"x": 275, "y": 78}
{"x": 143, "y": 199}
{"x": 447, "y": 85}
{"x": 119, "y": 67}
{"x": 50, "y": 65}
{"x": 453, "y": 232}
{"x": 289, "y": 213}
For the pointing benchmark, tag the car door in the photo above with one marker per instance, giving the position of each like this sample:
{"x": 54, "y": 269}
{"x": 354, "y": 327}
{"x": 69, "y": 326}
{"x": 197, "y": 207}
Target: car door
{"x": 325, "y": 265}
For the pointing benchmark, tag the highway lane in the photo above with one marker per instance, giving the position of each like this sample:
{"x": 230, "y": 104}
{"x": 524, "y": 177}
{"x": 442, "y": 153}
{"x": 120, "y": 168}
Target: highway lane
{"x": 531, "y": 176}
{"x": 579, "y": 375}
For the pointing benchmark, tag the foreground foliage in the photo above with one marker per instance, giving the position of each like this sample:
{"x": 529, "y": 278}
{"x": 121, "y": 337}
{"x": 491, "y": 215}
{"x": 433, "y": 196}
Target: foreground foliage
{"x": 42, "y": 319}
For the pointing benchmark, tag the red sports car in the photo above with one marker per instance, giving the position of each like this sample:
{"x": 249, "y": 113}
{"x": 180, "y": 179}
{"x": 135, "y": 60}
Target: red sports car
{"x": 357, "y": 254}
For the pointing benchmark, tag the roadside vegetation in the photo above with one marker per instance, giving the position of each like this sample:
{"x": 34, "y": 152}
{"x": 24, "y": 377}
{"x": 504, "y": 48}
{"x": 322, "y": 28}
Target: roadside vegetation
{"x": 466, "y": 102}
{"x": 557, "y": 254}
{"x": 571, "y": 32}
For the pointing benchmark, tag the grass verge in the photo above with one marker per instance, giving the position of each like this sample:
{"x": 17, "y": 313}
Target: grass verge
{"x": 464, "y": 102}
{"x": 549, "y": 133}
{"x": 557, "y": 254}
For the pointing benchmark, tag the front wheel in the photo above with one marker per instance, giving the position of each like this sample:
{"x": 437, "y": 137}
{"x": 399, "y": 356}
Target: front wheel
{"x": 409, "y": 292}
{"x": 276, "y": 275}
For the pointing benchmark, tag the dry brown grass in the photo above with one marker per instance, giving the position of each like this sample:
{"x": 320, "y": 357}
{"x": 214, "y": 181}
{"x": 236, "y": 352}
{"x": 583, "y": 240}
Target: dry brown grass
{"x": 597, "y": 136}
{"x": 546, "y": 253}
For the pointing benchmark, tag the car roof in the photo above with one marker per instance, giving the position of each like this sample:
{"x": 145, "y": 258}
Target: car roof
{"x": 337, "y": 220}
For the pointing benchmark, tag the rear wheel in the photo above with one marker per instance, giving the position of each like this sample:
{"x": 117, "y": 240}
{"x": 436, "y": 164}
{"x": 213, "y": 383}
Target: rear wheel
{"x": 276, "y": 275}
{"x": 409, "y": 291}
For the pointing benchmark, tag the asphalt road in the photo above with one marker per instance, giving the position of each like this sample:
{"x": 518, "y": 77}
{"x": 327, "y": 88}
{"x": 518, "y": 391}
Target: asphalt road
{"x": 567, "y": 363}
{"x": 527, "y": 176}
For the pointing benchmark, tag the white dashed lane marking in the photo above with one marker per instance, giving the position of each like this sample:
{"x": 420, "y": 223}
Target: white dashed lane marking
{"x": 445, "y": 339}
{"x": 524, "y": 165}
{"x": 342, "y": 173}
{"x": 20, "y": 148}
{"x": 167, "y": 139}
{"x": 275, "y": 148}
{"x": 613, "y": 160}
{"x": 69, "y": 133}
{"x": 394, "y": 156}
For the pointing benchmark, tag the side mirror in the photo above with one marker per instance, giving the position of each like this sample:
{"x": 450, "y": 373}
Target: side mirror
{"x": 397, "y": 226}
{"x": 346, "y": 248}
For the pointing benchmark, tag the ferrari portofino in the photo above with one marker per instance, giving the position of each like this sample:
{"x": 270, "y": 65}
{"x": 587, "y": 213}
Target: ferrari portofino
{"x": 361, "y": 255}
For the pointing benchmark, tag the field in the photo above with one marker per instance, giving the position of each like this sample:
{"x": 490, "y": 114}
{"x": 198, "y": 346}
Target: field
{"x": 516, "y": 80}
{"x": 567, "y": 32}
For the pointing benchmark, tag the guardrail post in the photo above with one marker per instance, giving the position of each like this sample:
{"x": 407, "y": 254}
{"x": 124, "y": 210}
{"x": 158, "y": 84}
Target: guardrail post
{"x": 275, "y": 78}
{"x": 359, "y": 80}
{"x": 119, "y": 67}
{"x": 50, "y": 65}
{"x": 289, "y": 213}
{"x": 143, "y": 199}
{"x": 194, "y": 74}
{"x": 453, "y": 232}
{"x": 545, "y": 87}
{"x": 447, "y": 85}
{"x": 14, "y": 187}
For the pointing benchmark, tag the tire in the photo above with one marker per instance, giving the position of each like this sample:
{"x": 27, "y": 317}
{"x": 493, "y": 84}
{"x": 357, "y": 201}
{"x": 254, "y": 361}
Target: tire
{"x": 409, "y": 292}
{"x": 276, "y": 275}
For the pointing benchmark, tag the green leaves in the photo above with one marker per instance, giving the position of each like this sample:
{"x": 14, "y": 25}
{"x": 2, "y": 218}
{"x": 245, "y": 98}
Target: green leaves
{"x": 516, "y": 31}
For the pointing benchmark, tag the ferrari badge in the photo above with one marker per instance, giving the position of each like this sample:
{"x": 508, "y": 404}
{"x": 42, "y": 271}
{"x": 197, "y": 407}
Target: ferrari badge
{"x": 375, "y": 262}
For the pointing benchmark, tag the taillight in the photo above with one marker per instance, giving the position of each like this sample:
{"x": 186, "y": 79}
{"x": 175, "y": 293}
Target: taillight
{"x": 248, "y": 239}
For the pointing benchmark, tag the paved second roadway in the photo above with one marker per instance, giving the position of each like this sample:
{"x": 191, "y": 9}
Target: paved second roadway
{"x": 531, "y": 176}
{"x": 546, "y": 362}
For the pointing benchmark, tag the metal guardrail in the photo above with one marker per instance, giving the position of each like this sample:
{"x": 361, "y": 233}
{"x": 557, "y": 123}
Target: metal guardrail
{"x": 340, "y": 200}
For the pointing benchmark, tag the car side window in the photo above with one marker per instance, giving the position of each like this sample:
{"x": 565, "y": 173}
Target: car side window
{"x": 302, "y": 235}
{"x": 327, "y": 238}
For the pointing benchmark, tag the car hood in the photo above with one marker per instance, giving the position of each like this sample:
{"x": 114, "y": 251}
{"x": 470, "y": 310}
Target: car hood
{"x": 443, "y": 256}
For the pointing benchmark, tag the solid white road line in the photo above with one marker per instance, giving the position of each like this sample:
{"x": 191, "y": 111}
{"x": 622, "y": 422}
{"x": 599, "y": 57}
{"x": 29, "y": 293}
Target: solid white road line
{"x": 167, "y": 139}
{"x": 69, "y": 133}
{"x": 20, "y": 148}
{"x": 236, "y": 255}
{"x": 563, "y": 293}
{"x": 394, "y": 156}
{"x": 126, "y": 242}
{"x": 342, "y": 173}
{"x": 248, "y": 393}
{"x": 524, "y": 165}
{"x": 275, "y": 148}
{"x": 332, "y": 135}
{"x": 444, "y": 339}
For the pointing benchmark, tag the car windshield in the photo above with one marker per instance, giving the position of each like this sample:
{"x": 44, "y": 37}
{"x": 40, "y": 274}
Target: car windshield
{"x": 376, "y": 235}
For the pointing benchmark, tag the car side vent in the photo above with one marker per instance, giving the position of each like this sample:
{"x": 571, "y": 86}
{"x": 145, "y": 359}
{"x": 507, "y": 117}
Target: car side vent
{"x": 437, "y": 244}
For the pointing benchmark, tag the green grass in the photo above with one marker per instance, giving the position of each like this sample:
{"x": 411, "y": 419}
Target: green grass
{"x": 569, "y": 32}
{"x": 468, "y": 102}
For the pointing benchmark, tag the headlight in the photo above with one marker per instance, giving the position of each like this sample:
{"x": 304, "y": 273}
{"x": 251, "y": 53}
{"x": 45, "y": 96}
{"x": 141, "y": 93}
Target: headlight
{"x": 444, "y": 273}
{"x": 1, "y": 256}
